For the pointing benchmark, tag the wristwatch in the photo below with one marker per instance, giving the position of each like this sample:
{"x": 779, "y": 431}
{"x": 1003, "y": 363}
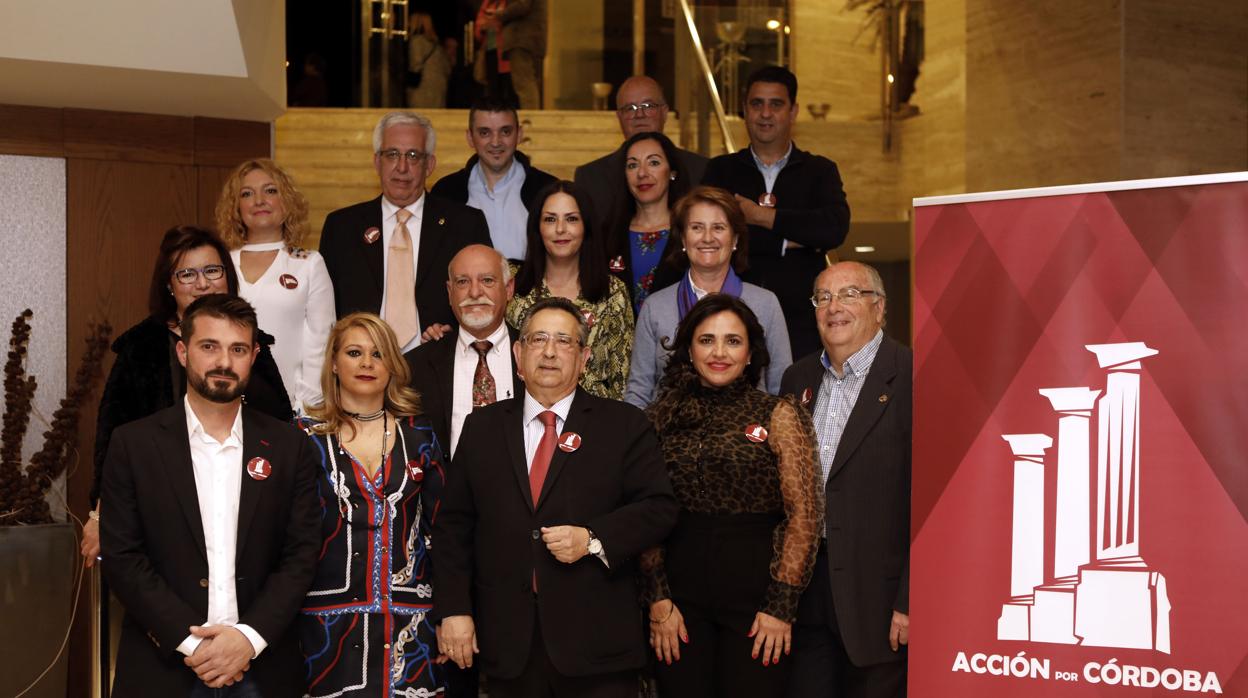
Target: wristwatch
{"x": 595, "y": 545}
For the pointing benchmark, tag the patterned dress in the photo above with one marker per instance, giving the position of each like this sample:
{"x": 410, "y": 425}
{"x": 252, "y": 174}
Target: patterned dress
{"x": 647, "y": 251}
{"x": 739, "y": 452}
{"x": 363, "y": 628}
{"x": 610, "y": 335}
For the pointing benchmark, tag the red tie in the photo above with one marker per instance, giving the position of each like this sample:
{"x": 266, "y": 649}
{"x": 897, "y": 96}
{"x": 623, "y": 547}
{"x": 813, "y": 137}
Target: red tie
{"x": 541, "y": 459}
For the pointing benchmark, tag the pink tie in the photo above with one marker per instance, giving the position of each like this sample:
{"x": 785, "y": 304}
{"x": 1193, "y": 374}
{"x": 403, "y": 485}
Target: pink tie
{"x": 401, "y": 283}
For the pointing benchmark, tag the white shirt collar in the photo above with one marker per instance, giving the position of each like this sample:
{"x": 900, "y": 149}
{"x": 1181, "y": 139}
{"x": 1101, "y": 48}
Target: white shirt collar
{"x": 532, "y": 407}
{"x": 416, "y": 208}
{"x": 195, "y": 428}
{"x": 499, "y": 337}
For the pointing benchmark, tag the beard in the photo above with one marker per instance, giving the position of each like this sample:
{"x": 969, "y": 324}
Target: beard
{"x": 475, "y": 319}
{"x": 215, "y": 391}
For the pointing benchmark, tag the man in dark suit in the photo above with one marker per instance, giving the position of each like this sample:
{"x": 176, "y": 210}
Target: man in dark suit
{"x": 499, "y": 179}
{"x": 401, "y": 240}
{"x": 552, "y": 495}
{"x": 793, "y": 201}
{"x": 470, "y": 367}
{"x": 853, "y": 620}
{"x": 208, "y": 527}
{"x": 640, "y": 107}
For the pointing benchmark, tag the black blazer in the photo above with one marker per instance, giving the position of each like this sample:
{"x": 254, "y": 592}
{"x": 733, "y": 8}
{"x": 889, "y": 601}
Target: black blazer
{"x": 433, "y": 372}
{"x": 489, "y": 546}
{"x": 868, "y": 501}
{"x": 810, "y": 199}
{"x": 454, "y": 187}
{"x": 155, "y": 561}
{"x": 357, "y": 268}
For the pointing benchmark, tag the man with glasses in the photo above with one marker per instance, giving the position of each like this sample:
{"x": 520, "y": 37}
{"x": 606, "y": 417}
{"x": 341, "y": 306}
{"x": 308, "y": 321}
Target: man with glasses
{"x": 389, "y": 255}
{"x": 853, "y": 620}
{"x": 793, "y": 200}
{"x": 641, "y": 108}
{"x": 552, "y": 496}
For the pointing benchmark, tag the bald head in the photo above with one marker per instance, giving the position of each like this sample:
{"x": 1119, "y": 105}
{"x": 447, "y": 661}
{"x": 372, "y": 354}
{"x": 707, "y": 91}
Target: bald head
{"x": 637, "y": 90}
{"x": 479, "y": 285}
{"x": 847, "y": 324}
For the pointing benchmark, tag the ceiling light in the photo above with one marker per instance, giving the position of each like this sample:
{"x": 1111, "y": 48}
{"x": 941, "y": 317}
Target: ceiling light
{"x": 864, "y": 248}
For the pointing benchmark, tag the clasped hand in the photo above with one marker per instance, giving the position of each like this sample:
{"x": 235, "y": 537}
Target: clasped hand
{"x": 222, "y": 657}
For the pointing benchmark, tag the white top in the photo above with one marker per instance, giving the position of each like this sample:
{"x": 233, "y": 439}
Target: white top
{"x": 294, "y": 301}
{"x": 390, "y": 221}
{"x": 498, "y": 358}
{"x": 218, "y": 481}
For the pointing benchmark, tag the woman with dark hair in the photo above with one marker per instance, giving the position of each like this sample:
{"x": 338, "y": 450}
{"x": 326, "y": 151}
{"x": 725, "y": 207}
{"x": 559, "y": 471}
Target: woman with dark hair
{"x": 722, "y": 592}
{"x": 712, "y": 251}
{"x": 364, "y": 626}
{"x": 263, "y": 217}
{"x": 565, "y": 259}
{"x": 146, "y": 376}
{"x": 640, "y": 234}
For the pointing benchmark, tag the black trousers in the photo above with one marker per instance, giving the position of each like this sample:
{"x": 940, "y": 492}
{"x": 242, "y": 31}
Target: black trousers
{"x": 821, "y": 666}
{"x": 540, "y": 679}
{"x": 718, "y": 568}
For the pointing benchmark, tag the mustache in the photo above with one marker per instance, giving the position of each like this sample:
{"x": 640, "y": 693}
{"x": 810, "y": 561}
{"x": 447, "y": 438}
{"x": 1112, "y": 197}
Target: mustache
{"x": 469, "y": 302}
{"x": 222, "y": 373}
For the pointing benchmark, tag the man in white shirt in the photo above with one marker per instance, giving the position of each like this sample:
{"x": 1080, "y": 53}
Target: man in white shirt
{"x": 209, "y": 532}
{"x": 387, "y": 255}
{"x": 551, "y": 497}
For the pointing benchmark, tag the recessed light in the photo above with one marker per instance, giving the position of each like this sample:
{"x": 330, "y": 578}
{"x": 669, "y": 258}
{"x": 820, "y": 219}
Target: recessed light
{"x": 864, "y": 248}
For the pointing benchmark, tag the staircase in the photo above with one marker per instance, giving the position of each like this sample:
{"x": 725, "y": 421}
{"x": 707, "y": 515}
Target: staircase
{"x": 329, "y": 151}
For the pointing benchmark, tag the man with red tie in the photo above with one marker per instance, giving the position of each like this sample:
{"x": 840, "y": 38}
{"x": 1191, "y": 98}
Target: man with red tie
{"x": 551, "y": 497}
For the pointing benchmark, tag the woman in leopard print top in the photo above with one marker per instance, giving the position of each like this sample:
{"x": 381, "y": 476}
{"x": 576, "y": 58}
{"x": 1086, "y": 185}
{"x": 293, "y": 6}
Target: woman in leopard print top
{"x": 722, "y": 593}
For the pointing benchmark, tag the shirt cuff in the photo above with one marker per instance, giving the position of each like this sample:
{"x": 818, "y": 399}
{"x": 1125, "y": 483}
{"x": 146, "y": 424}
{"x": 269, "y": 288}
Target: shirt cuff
{"x": 257, "y": 643}
{"x": 189, "y": 645}
{"x": 602, "y": 555}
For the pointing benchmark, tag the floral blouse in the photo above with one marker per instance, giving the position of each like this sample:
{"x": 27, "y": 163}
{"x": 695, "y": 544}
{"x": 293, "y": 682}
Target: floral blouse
{"x": 717, "y": 468}
{"x": 647, "y": 251}
{"x": 610, "y": 335}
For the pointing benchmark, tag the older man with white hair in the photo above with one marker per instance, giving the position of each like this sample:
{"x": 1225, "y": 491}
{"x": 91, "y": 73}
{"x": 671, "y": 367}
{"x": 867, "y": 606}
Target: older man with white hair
{"x": 388, "y": 255}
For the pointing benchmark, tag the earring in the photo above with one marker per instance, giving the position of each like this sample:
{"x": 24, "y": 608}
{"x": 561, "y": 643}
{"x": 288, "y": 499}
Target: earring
{"x": 673, "y": 176}
{"x": 682, "y": 249}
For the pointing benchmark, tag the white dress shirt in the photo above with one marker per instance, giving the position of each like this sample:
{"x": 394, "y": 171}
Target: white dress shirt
{"x": 218, "y": 481}
{"x": 498, "y": 358}
{"x": 390, "y": 221}
{"x": 534, "y": 430}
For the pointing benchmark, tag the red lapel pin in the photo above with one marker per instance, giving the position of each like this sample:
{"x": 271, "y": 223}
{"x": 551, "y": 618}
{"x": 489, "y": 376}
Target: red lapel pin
{"x": 767, "y": 200}
{"x": 617, "y": 264}
{"x": 288, "y": 281}
{"x": 414, "y": 471}
{"x": 756, "y": 433}
{"x": 807, "y": 395}
{"x": 372, "y": 235}
{"x": 569, "y": 442}
{"x": 259, "y": 468}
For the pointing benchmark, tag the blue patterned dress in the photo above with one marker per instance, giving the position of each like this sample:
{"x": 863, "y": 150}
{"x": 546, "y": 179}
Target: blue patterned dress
{"x": 363, "y": 628}
{"x": 647, "y": 251}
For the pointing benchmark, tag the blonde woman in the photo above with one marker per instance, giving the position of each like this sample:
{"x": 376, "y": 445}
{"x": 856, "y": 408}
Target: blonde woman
{"x": 263, "y": 218}
{"x": 366, "y": 615}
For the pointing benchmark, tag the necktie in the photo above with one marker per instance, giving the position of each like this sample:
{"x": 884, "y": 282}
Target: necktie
{"x": 483, "y": 390}
{"x": 401, "y": 282}
{"x": 541, "y": 459}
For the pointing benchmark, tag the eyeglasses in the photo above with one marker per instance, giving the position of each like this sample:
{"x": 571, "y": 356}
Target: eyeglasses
{"x": 539, "y": 340}
{"x": 643, "y": 107}
{"x": 412, "y": 156}
{"x": 845, "y": 296}
{"x": 211, "y": 272}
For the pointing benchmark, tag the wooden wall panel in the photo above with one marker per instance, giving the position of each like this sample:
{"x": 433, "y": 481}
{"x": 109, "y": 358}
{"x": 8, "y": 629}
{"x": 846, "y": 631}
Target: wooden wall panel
{"x": 104, "y": 135}
{"x": 225, "y": 143}
{"x": 208, "y": 183}
{"x": 36, "y": 131}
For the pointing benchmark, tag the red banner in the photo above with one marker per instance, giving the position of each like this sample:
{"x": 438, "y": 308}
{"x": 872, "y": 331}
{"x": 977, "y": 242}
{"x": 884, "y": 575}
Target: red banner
{"x": 1081, "y": 441}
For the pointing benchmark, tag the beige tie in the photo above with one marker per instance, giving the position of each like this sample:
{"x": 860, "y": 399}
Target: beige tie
{"x": 401, "y": 283}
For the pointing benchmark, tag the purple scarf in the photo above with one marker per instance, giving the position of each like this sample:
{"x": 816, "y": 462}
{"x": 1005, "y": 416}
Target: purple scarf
{"x": 685, "y": 297}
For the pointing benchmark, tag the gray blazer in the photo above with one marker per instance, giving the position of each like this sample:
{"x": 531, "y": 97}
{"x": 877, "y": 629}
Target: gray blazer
{"x": 658, "y": 320}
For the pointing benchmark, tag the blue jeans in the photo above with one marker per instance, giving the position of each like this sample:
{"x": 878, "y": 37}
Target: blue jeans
{"x": 243, "y": 689}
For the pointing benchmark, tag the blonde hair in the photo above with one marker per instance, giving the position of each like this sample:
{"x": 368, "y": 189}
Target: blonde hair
{"x": 401, "y": 399}
{"x": 230, "y": 223}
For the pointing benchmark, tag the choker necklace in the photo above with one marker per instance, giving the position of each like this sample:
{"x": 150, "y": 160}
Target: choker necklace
{"x": 372, "y": 417}
{"x": 263, "y": 246}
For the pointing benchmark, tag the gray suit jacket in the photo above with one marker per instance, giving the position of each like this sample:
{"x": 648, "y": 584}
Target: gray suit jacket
{"x": 658, "y": 320}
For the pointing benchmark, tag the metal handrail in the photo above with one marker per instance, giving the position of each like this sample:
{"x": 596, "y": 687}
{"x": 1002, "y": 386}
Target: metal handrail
{"x": 720, "y": 115}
